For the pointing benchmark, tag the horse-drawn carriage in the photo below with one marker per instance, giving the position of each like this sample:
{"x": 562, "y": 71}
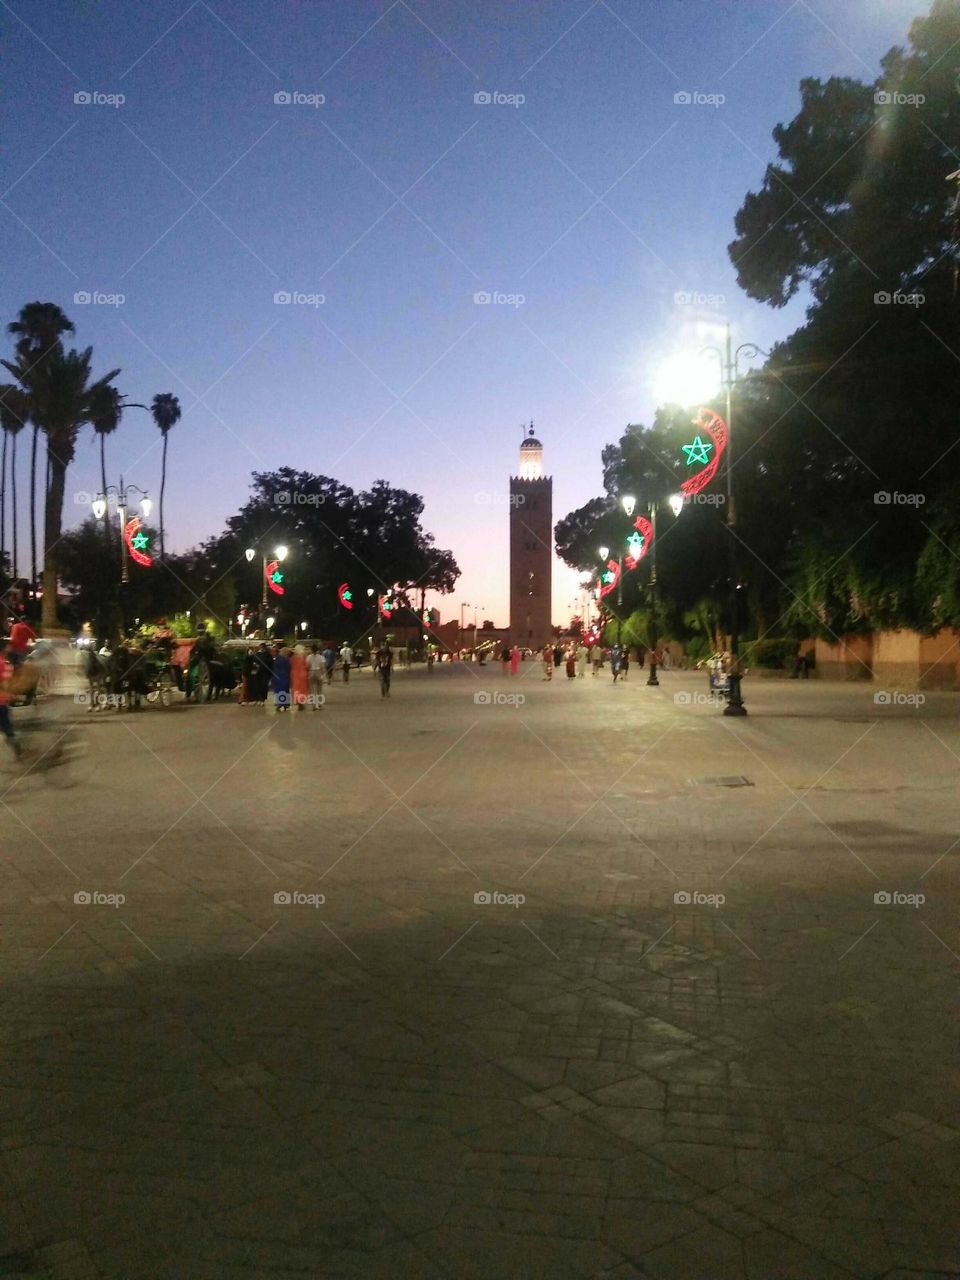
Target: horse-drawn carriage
{"x": 157, "y": 671}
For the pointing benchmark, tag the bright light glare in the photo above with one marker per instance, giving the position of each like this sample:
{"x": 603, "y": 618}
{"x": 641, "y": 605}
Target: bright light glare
{"x": 604, "y": 552}
{"x": 628, "y": 503}
{"x": 676, "y": 503}
{"x": 281, "y": 553}
{"x": 688, "y": 379}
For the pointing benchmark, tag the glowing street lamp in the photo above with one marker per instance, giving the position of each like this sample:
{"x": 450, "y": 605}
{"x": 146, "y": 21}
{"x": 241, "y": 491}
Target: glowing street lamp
{"x": 676, "y": 501}
{"x": 279, "y": 555}
{"x": 628, "y": 502}
{"x": 688, "y": 379}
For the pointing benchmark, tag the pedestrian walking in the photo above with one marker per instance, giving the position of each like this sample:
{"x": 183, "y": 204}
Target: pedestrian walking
{"x": 547, "y": 662}
{"x": 21, "y": 636}
{"x": 505, "y": 659}
{"x": 298, "y": 676}
{"x": 346, "y": 658}
{"x": 280, "y": 681}
{"x": 596, "y": 658}
{"x": 316, "y": 670}
{"x": 557, "y": 655}
{"x": 582, "y": 654}
{"x": 571, "y": 662}
{"x": 625, "y": 662}
{"x": 383, "y": 664}
{"x": 514, "y": 660}
{"x": 6, "y": 697}
{"x": 615, "y": 659}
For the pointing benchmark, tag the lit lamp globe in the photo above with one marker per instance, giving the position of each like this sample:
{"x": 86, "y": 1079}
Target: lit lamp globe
{"x": 99, "y": 507}
{"x": 676, "y": 501}
{"x": 249, "y": 553}
{"x": 146, "y": 506}
{"x": 628, "y": 502}
{"x": 281, "y": 553}
{"x": 604, "y": 552}
{"x": 687, "y": 379}
{"x": 270, "y": 622}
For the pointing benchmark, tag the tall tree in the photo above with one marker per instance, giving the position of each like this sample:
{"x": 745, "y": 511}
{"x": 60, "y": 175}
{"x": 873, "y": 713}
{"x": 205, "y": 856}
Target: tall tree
{"x": 166, "y": 414}
{"x": 62, "y": 400}
{"x": 38, "y": 329}
{"x": 14, "y": 414}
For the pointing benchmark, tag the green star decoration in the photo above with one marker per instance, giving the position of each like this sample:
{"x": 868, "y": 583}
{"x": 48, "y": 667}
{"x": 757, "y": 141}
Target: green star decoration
{"x": 635, "y": 543}
{"x": 141, "y": 541}
{"x": 348, "y": 595}
{"x": 608, "y": 576}
{"x": 276, "y": 576}
{"x": 697, "y": 452}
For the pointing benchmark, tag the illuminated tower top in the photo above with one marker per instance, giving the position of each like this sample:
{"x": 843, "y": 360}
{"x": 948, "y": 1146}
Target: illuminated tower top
{"x": 531, "y": 456}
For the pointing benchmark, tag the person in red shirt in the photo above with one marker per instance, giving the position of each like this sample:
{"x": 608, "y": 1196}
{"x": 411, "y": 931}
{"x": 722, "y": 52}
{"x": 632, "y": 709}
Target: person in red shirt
{"x": 21, "y": 633}
{"x": 6, "y": 720}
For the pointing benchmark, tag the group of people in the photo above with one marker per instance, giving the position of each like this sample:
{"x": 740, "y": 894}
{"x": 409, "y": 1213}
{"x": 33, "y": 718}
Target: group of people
{"x": 572, "y": 656}
{"x": 295, "y": 676}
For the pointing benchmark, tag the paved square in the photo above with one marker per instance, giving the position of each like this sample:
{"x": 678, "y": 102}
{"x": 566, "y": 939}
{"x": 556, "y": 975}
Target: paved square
{"x": 461, "y": 985}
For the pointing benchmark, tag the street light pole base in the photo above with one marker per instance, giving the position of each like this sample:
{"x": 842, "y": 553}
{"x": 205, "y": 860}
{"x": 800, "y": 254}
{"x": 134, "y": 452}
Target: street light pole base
{"x": 735, "y": 709}
{"x": 652, "y": 677}
{"x": 735, "y": 705}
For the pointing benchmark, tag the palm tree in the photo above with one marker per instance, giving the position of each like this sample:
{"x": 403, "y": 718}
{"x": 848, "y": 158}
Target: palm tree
{"x": 14, "y": 413}
{"x": 106, "y": 410}
{"x": 38, "y": 328}
{"x": 62, "y": 400}
{"x": 166, "y": 413}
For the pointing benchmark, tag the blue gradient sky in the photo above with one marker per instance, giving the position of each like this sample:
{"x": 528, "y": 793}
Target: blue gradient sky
{"x": 397, "y": 199}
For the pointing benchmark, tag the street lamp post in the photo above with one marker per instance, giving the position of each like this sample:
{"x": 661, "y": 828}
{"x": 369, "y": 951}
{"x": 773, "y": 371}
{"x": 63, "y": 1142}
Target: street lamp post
{"x": 280, "y": 554}
{"x": 730, "y": 372}
{"x": 729, "y": 363}
{"x": 100, "y": 508}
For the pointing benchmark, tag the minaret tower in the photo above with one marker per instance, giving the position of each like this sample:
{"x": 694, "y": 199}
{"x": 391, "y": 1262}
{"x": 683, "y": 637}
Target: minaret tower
{"x": 531, "y": 547}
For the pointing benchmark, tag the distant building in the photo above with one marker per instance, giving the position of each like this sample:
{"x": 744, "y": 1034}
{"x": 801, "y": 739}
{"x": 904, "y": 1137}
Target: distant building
{"x": 531, "y": 548}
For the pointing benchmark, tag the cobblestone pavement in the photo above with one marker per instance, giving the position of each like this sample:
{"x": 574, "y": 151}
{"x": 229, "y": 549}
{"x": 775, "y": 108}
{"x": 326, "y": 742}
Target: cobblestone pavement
{"x": 699, "y": 1045}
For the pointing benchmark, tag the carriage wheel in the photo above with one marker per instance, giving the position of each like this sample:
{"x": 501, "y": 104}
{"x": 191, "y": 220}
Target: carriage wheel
{"x": 165, "y": 687}
{"x": 202, "y": 684}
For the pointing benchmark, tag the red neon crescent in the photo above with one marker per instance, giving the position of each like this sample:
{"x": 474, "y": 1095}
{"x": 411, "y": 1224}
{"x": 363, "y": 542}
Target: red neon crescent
{"x": 645, "y": 529}
{"x": 270, "y": 569}
{"x": 344, "y": 586}
{"x": 130, "y": 530}
{"x": 607, "y": 587}
{"x": 715, "y": 427}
